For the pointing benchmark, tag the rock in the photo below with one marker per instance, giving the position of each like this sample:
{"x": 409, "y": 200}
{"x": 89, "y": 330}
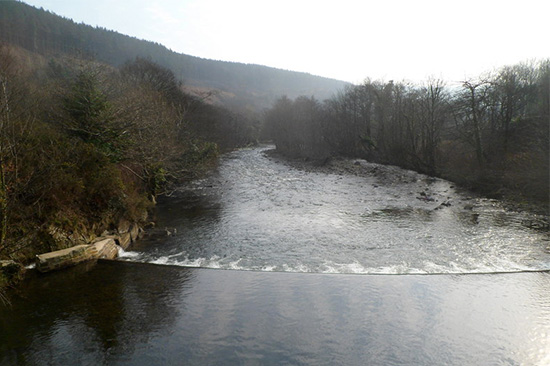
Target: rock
{"x": 424, "y": 197}
{"x": 124, "y": 240}
{"x": 104, "y": 249}
{"x": 63, "y": 258}
{"x": 124, "y": 226}
{"x": 134, "y": 232}
{"x": 64, "y": 238}
{"x": 150, "y": 224}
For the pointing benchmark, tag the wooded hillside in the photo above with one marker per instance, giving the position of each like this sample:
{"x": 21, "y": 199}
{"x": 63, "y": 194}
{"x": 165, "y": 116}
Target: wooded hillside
{"x": 84, "y": 145}
{"x": 242, "y": 85}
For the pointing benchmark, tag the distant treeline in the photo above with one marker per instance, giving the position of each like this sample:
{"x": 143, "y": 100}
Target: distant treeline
{"x": 245, "y": 86}
{"x": 489, "y": 133}
{"x": 83, "y": 144}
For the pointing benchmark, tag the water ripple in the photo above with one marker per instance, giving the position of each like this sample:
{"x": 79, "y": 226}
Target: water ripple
{"x": 258, "y": 213}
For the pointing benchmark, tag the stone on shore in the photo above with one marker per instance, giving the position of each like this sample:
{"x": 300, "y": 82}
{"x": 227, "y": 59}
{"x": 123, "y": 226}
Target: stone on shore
{"x": 124, "y": 240}
{"x": 124, "y": 226}
{"x": 104, "y": 249}
{"x": 63, "y": 258}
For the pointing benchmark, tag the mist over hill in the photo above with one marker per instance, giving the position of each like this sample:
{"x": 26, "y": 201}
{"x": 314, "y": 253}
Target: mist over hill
{"x": 245, "y": 86}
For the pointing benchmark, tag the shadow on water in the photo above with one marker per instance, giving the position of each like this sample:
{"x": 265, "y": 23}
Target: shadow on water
{"x": 88, "y": 311}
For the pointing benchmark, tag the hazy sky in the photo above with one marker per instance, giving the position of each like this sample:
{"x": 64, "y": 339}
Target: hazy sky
{"x": 343, "y": 39}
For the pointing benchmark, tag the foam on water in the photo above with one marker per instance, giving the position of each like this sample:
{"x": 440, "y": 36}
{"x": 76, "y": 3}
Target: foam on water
{"x": 329, "y": 267}
{"x": 126, "y": 254}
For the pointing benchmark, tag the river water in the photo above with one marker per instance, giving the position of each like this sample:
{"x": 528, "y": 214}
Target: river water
{"x": 296, "y": 251}
{"x": 259, "y": 213}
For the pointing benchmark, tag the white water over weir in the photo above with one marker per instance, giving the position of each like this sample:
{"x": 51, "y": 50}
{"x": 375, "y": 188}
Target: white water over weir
{"x": 256, "y": 212}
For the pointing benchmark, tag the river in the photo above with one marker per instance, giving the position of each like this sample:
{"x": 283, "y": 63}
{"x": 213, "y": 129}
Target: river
{"x": 259, "y": 213}
{"x": 351, "y": 265}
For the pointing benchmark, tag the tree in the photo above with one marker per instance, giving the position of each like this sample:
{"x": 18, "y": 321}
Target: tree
{"x": 89, "y": 116}
{"x": 383, "y": 109}
{"x": 15, "y": 123}
{"x": 471, "y": 114}
{"x": 434, "y": 106}
{"x": 308, "y": 134}
{"x": 278, "y": 123}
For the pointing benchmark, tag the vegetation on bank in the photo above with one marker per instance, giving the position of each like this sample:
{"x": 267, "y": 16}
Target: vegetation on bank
{"x": 490, "y": 133}
{"x": 83, "y": 145}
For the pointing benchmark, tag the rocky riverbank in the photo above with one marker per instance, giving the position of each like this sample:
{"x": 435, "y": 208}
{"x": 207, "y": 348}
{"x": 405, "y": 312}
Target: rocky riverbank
{"x": 389, "y": 175}
{"x": 81, "y": 250}
{"x": 103, "y": 247}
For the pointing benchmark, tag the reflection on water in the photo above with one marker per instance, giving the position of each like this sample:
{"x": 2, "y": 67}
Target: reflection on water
{"x": 135, "y": 314}
{"x": 90, "y": 311}
{"x": 257, "y": 213}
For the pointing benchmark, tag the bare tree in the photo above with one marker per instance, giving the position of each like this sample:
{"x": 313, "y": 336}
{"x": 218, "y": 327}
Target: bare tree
{"x": 434, "y": 113}
{"x": 14, "y": 124}
{"x": 471, "y": 114}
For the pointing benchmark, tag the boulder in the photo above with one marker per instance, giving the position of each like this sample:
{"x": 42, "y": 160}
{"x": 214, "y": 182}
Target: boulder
{"x": 66, "y": 239}
{"x": 104, "y": 249}
{"x": 124, "y": 240}
{"x": 124, "y": 226}
{"x": 63, "y": 258}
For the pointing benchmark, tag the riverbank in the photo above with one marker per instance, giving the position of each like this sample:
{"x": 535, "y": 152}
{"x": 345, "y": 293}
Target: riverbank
{"x": 390, "y": 175}
{"x": 105, "y": 246}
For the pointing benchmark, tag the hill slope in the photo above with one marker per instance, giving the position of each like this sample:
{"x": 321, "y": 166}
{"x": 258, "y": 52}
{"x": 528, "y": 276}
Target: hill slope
{"x": 244, "y": 85}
